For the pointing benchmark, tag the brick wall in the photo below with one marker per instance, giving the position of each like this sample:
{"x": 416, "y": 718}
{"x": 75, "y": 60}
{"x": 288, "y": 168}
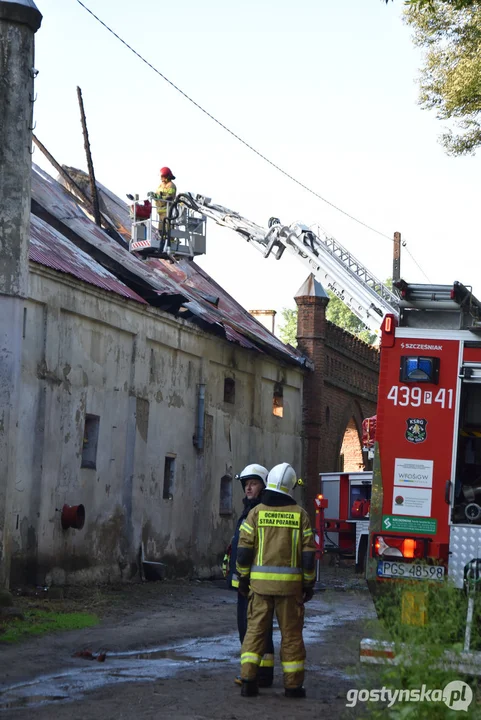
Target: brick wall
{"x": 338, "y": 394}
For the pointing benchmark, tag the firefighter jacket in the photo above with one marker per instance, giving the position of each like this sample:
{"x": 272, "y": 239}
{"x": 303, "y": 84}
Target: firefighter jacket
{"x": 276, "y": 547}
{"x": 165, "y": 192}
{"x": 232, "y": 580}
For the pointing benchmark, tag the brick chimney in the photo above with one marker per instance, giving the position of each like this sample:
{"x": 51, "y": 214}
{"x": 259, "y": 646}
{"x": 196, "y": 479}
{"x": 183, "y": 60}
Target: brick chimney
{"x": 19, "y": 21}
{"x": 312, "y": 301}
{"x": 266, "y": 318}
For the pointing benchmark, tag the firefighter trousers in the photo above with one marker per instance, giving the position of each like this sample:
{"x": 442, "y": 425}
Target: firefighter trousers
{"x": 290, "y": 616}
{"x": 266, "y": 669}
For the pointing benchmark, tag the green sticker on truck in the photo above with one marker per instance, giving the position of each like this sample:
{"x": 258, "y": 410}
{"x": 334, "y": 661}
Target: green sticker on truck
{"x": 414, "y": 525}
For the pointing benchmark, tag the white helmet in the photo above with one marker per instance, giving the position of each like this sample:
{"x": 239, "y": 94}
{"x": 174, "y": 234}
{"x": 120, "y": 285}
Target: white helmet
{"x": 253, "y": 472}
{"x": 282, "y": 479}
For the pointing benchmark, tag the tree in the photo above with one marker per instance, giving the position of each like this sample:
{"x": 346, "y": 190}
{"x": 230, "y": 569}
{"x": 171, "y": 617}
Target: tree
{"x": 456, "y": 4}
{"x": 450, "y": 81}
{"x": 339, "y": 314}
{"x": 288, "y": 331}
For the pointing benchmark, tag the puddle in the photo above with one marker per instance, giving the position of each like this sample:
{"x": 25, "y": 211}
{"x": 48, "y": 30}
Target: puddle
{"x": 156, "y": 654}
{"x": 33, "y": 700}
{"x": 148, "y": 665}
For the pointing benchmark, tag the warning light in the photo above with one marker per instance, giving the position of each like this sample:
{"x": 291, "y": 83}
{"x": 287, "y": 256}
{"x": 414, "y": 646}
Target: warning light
{"x": 321, "y": 502}
{"x": 408, "y": 548}
{"x": 419, "y": 368}
{"x": 387, "y": 330}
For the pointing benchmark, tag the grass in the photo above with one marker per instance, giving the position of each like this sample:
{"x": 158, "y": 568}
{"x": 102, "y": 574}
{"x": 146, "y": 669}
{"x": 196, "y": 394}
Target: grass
{"x": 445, "y": 617}
{"x": 39, "y": 622}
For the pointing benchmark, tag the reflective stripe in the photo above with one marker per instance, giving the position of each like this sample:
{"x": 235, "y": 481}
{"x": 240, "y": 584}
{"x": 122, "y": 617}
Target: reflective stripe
{"x": 275, "y": 569}
{"x": 273, "y": 486}
{"x": 307, "y": 533}
{"x": 290, "y": 667}
{"x": 310, "y": 575}
{"x": 276, "y": 576}
{"x": 235, "y": 583}
{"x": 267, "y": 660}
{"x": 242, "y": 569}
{"x": 295, "y": 536}
{"x": 250, "y": 658}
{"x": 260, "y": 550}
{"x": 247, "y": 528}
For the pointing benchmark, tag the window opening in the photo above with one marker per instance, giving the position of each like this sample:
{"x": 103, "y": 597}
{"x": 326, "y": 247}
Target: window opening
{"x": 90, "y": 441}
{"x": 278, "y": 401}
{"x": 225, "y": 504}
{"x": 229, "y": 390}
{"x": 169, "y": 475}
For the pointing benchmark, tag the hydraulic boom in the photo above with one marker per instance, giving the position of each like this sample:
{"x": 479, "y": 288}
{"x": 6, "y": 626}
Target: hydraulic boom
{"x": 183, "y": 235}
{"x": 334, "y": 266}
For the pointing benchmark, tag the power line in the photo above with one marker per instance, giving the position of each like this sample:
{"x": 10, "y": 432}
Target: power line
{"x": 237, "y": 137}
{"x": 416, "y": 262}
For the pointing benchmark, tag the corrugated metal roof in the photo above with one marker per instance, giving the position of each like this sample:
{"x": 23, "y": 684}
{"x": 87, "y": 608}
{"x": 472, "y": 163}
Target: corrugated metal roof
{"x": 182, "y": 278}
{"x": 48, "y": 247}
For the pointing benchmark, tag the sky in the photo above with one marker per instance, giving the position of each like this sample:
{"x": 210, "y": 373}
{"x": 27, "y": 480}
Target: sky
{"x": 326, "y": 89}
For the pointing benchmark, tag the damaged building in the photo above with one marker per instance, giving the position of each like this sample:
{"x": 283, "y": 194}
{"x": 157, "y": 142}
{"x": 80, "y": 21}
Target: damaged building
{"x": 145, "y": 387}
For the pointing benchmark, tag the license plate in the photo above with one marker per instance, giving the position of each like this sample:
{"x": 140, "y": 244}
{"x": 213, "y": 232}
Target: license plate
{"x": 408, "y": 571}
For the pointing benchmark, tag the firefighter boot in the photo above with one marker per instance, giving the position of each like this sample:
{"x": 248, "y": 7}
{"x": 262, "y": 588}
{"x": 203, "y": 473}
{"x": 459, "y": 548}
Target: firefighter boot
{"x": 265, "y": 677}
{"x": 298, "y": 692}
{"x": 249, "y": 688}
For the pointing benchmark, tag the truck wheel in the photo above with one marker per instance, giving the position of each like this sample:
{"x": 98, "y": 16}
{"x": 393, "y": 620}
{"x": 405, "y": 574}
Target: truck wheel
{"x": 361, "y": 555}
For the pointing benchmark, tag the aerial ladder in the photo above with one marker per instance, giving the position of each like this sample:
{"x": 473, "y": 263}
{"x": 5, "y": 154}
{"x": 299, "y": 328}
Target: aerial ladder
{"x": 182, "y": 234}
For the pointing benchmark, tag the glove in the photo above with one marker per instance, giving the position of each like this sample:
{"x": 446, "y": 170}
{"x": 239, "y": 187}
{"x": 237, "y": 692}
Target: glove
{"x": 308, "y": 594}
{"x": 244, "y": 586}
{"x": 225, "y": 565}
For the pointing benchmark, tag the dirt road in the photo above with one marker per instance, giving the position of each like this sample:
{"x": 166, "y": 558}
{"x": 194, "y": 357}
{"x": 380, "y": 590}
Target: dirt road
{"x": 173, "y": 652}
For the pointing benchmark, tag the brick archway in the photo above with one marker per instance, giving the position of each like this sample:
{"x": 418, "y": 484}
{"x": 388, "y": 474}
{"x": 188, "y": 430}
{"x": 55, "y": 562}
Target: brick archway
{"x": 339, "y": 392}
{"x": 350, "y": 454}
{"x": 350, "y": 439}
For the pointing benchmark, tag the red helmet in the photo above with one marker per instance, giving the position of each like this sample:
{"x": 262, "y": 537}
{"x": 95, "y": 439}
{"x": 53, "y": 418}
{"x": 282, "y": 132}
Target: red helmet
{"x": 166, "y": 172}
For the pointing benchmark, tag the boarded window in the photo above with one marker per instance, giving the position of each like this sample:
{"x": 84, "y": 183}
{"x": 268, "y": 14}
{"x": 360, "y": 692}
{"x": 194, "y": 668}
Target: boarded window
{"x": 90, "y": 441}
{"x": 229, "y": 390}
{"x": 225, "y": 504}
{"x": 278, "y": 400}
{"x": 169, "y": 476}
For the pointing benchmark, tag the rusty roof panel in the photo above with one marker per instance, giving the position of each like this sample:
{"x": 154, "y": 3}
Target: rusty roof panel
{"x": 48, "y": 247}
{"x": 180, "y": 278}
{"x": 54, "y": 198}
{"x": 193, "y": 278}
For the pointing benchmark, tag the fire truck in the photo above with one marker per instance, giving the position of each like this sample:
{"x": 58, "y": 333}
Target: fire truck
{"x": 343, "y": 526}
{"x": 425, "y": 519}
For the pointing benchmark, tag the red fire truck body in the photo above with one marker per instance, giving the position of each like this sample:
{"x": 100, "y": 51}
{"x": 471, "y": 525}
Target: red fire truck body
{"x": 425, "y": 518}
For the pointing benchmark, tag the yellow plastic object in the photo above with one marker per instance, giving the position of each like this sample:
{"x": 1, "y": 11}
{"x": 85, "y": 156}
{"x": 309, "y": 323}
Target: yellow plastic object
{"x": 414, "y": 608}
